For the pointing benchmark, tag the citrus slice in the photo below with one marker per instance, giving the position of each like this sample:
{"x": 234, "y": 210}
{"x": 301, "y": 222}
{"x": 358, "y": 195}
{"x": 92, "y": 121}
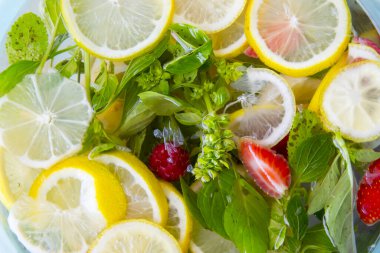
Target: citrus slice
{"x": 146, "y": 199}
{"x": 207, "y": 241}
{"x": 43, "y": 119}
{"x": 135, "y": 236}
{"x": 211, "y": 16}
{"x": 15, "y": 178}
{"x": 231, "y": 41}
{"x": 359, "y": 52}
{"x": 350, "y": 103}
{"x": 268, "y": 107}
{"x": 71, "y": 203}
{"x": 179, "y": 221}
{"x": 117, "y": 30}
{"x": 292, "y": 38}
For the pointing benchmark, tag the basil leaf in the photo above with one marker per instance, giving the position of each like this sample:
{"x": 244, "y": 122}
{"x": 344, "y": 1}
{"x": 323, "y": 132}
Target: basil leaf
{"x": 311, "y": 159}
{"x": 136, "y": 142}
{"x": 161, "y": 104}
{"x": 316, "y": 240}
{"x": 138, "y": 118}
{"x": 297, "y": 217}
{"x": 67, "y": 68}
{"x": 101, "y": 149}
{"x": 363, "y": 155}
{"x": 188, "y": 118}
{"x": 246, "y": 219}
{"x": 14, "y": 74}
{"x": 191, "y": 35}
{"x": 277, "y": 226}
{"x": 52, "y": 12}
{"x": 190, "y": 198}
{"x": 321, "y": 193}
{"x": 27, "y": 39}
{"x": 104, "y": 88}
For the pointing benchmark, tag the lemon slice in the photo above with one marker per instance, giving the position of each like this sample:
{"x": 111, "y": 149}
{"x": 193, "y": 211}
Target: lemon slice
{"x": 358, "y": 52}
{"x": 146, "y": 199}
{"x": 43, "y": 119}
{"x": 231, "y": 41}
{"x": 117, "y": 30}
{"x": 268, "y": 107}
{"x": 350, "y": 103}
{"x": 15, "y": 178}
{"x": 211, "y": 16}
{"x": 135, "y": 236}
{"x": 298, "y": 38}
{"x": 71, "y": 203}
{"x": 179, "y": 221}
{"x": 207, "y": 241}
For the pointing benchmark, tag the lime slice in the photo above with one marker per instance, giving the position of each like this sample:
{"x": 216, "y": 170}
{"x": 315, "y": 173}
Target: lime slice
{"x": 135, "y": 236}
{"x": 292, "y": 38}
{"x": 211, "y": 16}
{"x": 179, "y": 221}
{"x": 117, "y": 30}
{"x": 146, "y": 199}
{"x": 71, "y": 203}
{"x": 268, "y": 107}
{"x": 350, "y": 102}
{"x": 43, "y": 119}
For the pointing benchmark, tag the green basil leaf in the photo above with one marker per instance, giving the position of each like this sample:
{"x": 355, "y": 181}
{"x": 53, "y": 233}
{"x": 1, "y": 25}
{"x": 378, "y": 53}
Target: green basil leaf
{"x": 191, "y": 200}
{"x": 101, "y": 149}
{"x": 67, "y": 68}
{"x": 312, "y": 158}
{"x": 277, "y": 226}
{"x": 317, "y": 241}
{"x": 14, "y": 74}
{"x": 220, "y": 97}
{"x": 27, "y": 39}
{"x": 297, "y": 217}
{"x": 136, "y": 142}
{"x": 161, "y": 104}
{"x": 104, "y": 88}
{"x": 321, "y": 193}
{"x": 52, "y": 12}
{"x": 58, "y": 42}
{"x": 190, "y": 61}
{"x": 188, "y": 118}
{"x": 363, "y": 155}
{"x": 246, "y": 219}
{"x": 138, "y": 118}
{"x": 191, "y": 35}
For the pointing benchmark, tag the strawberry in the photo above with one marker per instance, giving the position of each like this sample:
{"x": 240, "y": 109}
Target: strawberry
{"x": 282, "y": 147}
{"x": 368, "y": 201}
{"x": 251, "y": 53}
{"x": 269, "y": 170}
{"x": 169, "y": 161}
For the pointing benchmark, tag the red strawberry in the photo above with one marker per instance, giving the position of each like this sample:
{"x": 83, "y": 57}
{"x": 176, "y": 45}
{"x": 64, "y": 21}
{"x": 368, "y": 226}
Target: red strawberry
{"x": 168, "y": 161}
{"x": 282, "y": 147}
{"x": 251, "y": 53}
{"x": 269, "y": 170}
{"x": 368, "y": 202}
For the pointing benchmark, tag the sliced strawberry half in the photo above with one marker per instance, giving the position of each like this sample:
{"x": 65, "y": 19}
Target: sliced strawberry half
{"x": 368, "y": 201}
{"x": 269, "y": 170}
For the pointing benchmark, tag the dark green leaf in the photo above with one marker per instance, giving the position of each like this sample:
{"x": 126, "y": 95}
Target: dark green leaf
{"x": 27, "y": 39}
{"x": 312, "y": 158}
{"x": 51, "y": 13}
{"x": 192, "y": 36}
{"x": 317, "y": 241}
{"x": 138, "y": 118}
{"x": 305, "y": 125}
{"x": 101, "y": 149}
{"x": 277, "y": 226}
{"x": 321, "y": 193}
{"x": 190, "y": 198}
{"x": 363, "y": 155}
{"x": 14, "y": 74}
{"x": 161, "y": 104}
{"x": 246, "y": 219}
{"x": 188, "y": 118}
{"x": 297, "y": 217}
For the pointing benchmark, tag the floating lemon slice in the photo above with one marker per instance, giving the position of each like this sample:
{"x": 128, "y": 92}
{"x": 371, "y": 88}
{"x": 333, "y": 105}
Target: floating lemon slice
{"x": 293, "y": 38}
{"x": 146, "y": 199}
{"x": 135, "y": 236}
{"x": 359, "y": 52}
{"x": 350, "y": 102}
{"x": 231, "y": 41}
{"x": 117, "y": 30}
{"x": 43, "y": 119}
{"x": 268, "y": 107}
{"x": 179, "y": 222}
{"x": 211, "y": 16}
{"x": 71, "y": 203}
